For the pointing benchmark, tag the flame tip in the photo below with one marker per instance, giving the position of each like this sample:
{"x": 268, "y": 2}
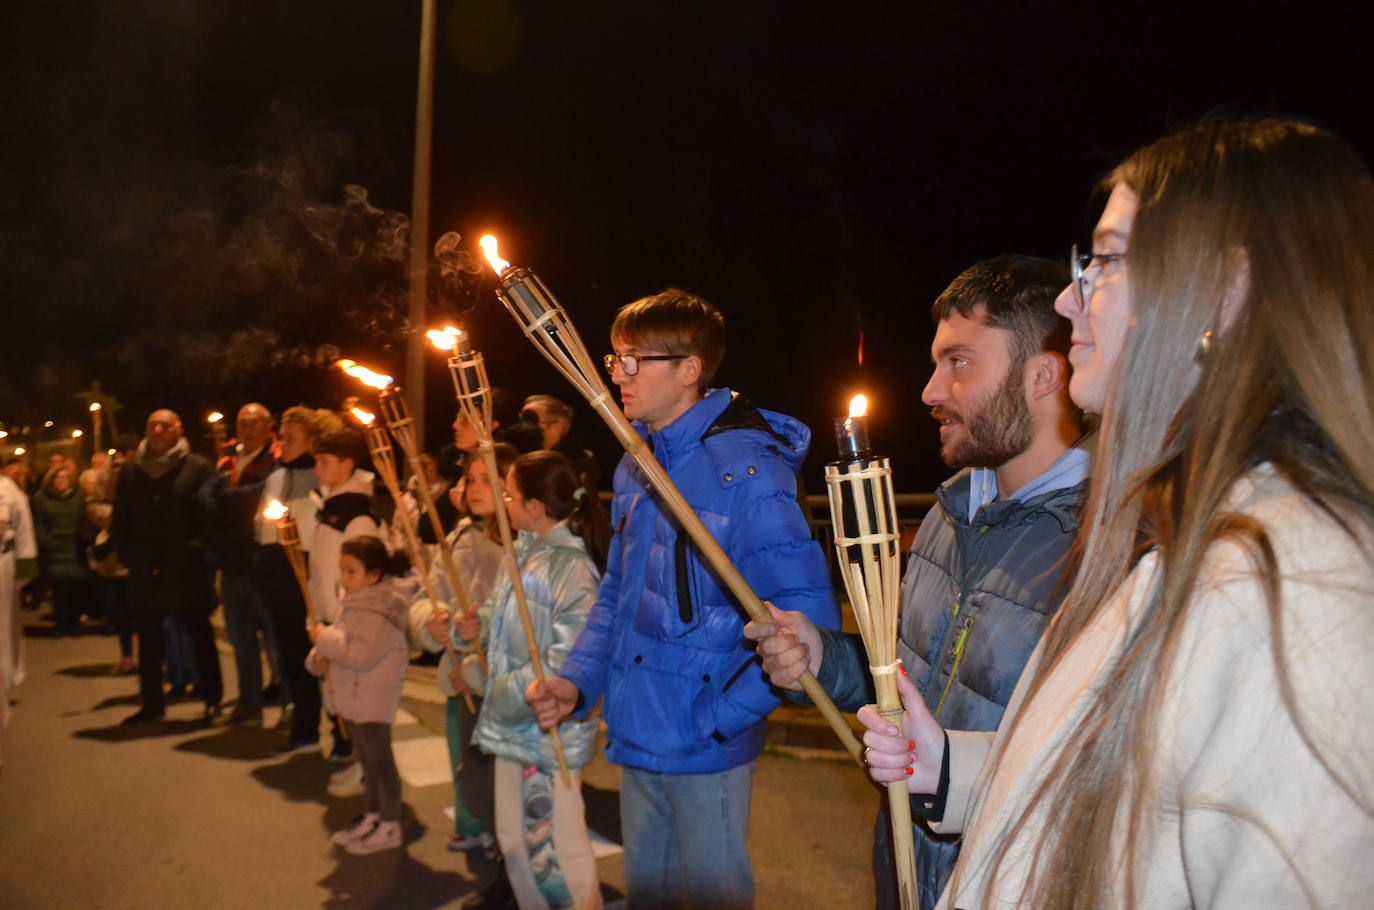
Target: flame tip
{"x": 858, "y": 405}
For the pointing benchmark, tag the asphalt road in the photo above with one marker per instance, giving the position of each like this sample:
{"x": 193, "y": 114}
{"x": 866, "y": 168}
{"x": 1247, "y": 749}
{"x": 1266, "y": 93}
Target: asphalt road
{"x": 94, "y": 814}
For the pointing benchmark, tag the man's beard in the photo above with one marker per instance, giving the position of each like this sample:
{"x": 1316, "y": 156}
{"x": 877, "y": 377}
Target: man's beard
{"x": 998, "y": 430}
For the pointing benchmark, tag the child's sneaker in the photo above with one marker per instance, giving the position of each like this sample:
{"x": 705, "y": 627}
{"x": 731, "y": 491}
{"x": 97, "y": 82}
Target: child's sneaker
{"x": 383, "y": 836}
{"x": 348, "y": 782}
{"x": 359, "y": 827}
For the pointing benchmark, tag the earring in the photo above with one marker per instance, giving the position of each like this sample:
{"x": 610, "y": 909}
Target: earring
{"x": 1204, "y": 346}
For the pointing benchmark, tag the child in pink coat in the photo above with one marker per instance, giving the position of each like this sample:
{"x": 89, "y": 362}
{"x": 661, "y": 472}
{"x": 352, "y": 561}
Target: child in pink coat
{"x": 363, "y": 658}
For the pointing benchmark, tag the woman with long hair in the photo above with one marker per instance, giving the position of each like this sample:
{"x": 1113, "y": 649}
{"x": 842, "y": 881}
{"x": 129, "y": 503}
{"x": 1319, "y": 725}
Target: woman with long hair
{"x": 540, "y": 824}
{"x": 1194, "y": 728}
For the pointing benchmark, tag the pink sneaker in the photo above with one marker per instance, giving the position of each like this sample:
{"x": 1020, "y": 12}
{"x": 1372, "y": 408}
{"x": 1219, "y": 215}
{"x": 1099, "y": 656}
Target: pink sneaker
{"x": 383, "y": 836}
{"x": 359, "y": 827}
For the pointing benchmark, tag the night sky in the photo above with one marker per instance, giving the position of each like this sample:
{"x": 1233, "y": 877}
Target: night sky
{"x": 207, "y": 200}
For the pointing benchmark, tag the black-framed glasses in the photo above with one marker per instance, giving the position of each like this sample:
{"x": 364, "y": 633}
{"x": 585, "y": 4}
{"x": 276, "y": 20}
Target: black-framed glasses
{"x": 629, "y": 363}
{"x": 1082, "y": 263}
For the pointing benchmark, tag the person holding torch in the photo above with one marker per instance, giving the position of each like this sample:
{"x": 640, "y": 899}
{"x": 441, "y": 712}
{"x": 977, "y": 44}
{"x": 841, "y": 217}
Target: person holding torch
{"x": 685, "y": 700}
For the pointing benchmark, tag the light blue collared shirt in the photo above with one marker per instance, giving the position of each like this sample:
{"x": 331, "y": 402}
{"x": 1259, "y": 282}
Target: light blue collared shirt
{"x": 1068, "y": 470}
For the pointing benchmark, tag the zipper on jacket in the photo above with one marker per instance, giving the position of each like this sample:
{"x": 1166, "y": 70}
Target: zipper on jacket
{"x": 959, "y": 644}
{"x": 684, "y": 590}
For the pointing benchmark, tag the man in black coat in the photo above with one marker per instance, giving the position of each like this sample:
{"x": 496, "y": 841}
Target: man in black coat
{"x": 157, "y": 533}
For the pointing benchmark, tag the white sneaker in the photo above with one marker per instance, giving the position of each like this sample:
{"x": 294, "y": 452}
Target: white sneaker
{"x": 383, "y": 836}
{"x": 348, "y": 782}
{"x": 359, "y": 827}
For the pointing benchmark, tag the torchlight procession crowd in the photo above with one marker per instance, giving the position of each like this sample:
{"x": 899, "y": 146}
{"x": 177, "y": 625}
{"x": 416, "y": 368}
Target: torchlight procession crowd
{"x": 1136, "y": 630}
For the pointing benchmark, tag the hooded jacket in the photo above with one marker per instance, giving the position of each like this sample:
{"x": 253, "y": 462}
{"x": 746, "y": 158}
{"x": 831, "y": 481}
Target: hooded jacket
{"x": 344, "y": 512}
{"x": 684, "y": 694}
{"x": 367, "y": 654}
{"x": 560, "y": 582}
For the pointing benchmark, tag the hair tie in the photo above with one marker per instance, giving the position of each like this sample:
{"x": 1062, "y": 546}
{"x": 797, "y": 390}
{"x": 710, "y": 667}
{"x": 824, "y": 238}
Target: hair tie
{"x": 577, "y": 494}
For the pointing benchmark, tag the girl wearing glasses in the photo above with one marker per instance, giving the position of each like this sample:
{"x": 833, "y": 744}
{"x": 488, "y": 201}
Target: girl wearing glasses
{"x": 1194, "y": 728}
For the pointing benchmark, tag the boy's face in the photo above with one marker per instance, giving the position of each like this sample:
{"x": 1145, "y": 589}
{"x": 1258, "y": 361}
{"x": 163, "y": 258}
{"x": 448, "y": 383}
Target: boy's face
{"x": 331, "y": 470}
{"x": 661, "y": 391}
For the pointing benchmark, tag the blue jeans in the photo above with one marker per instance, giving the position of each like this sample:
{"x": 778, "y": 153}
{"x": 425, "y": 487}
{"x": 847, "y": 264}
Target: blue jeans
{"x": 244, "y": 615}
{"x": 181, "y": 659}
{"x": 686, "y": 839}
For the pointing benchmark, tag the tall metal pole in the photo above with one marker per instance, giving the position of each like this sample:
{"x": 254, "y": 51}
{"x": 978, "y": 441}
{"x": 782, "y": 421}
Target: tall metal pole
{"x": 419, "y": 221}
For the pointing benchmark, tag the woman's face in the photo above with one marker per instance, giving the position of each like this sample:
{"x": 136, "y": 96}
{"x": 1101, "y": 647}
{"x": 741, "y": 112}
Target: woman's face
{"x": 295, "y": 440}
{"x": 481, "y": 499}
{"x": 1100, "y": 321}
{"x": 62, "y": 481}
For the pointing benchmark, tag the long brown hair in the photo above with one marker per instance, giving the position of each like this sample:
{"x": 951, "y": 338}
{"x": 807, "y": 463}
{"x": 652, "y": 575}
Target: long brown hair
{"x": 1261, "y": 233}
{"x": 548, "y": 476}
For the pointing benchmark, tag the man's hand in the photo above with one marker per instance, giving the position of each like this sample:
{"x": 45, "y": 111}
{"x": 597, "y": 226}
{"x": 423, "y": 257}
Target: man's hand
{"x": 437, "y": 624}
{"x": 789, "y": 646}
{"x": 468, "y": 625}
{"x": 914, "y": 753}
{"x": 552, "y": 698}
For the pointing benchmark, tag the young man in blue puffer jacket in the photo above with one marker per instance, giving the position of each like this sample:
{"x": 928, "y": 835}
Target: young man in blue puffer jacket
{"x": 685, "y": 699}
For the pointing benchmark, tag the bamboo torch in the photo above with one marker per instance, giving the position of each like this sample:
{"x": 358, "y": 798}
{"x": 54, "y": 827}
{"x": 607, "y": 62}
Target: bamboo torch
{"x": 97, "y": 411}
{"x": 470, "y": 384}
{"x": 552, "y": 332}
{"x": 384, "y": 460}
{"x": 291, "y": 543}
{"x": 864, "y": 511}
{"x": 216, "y": 421}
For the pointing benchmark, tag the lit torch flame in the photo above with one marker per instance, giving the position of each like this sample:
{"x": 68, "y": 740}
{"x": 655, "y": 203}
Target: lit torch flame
{"x": 858, "y": 406}
{"x": 21, "y": 451}
{"x": 364, "y": 375}
{"x": 275, "y": 510}
{"x": 214, "y": 417}
{"x": 95, "y": 406}
{"x": 76, "y": 434}
{"x": 364, "y": 417}
{"x": 445, "y": 340}
{"x": 488, "y": 245}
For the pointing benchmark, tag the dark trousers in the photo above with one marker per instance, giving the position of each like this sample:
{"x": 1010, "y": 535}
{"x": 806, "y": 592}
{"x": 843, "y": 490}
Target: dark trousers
{"x": 152, "y": 649}
{"x": 67, "y": 605}
{"x": 380, "y": 778}
{"x": 277, "y": 586}
{"x": 115, "y": 596}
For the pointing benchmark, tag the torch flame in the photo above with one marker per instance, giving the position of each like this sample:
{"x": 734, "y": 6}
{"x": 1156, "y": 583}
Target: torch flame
{"x": 214, "y": 417}
{"x": 858, "y": 406}
{"x": 364, "y": 375}
{"x": 364, "y": 417}
{"x": 4, "y": 433}
{"x": 488, "y": 245}
{"x": 275, "y": 511}
{"x": 20, "y": 450}
{"x": 445, "y": 340}
{"x": 76, "y": 434}
{"x": 95, "y": 406}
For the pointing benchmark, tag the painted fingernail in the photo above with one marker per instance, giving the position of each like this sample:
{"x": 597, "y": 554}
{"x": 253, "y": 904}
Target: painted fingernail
{"x": 903, "y": 669}
{"x": 911, "y": 745}
{"x": 910, "y": 771}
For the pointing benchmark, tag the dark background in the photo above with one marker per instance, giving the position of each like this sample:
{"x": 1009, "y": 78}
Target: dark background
{"x": 206, "y": 199}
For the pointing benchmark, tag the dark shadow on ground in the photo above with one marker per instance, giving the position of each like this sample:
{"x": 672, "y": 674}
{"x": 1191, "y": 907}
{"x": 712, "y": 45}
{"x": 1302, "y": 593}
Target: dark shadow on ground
{"x": 391, "y": 878}
{"x": 241, "y": 742}
{"x": 123, "y": 733}
{"x": 114, "y": 701}
{"x": 90, "y": 670}
{"x": 301, "y": 778}
{"x": 603, "y": 812}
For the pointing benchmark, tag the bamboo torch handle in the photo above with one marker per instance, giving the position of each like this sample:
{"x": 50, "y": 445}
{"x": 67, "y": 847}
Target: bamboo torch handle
{"x": 518, "y": 587}
{"x": 725, "y": 568}
{"x": 899, "y": 799}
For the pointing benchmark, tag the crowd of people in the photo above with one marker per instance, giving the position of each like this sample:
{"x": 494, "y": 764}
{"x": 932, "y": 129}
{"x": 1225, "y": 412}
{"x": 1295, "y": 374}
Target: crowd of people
{"x": 1135, "y": 629}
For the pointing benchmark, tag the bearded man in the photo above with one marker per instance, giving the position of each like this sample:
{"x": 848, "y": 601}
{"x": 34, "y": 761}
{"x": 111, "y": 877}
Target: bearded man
{"x": 982, "y": 580}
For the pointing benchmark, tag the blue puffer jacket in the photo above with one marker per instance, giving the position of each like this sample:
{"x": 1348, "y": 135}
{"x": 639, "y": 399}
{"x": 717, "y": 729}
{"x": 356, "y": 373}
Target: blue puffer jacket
{"x": 684, "y": 694}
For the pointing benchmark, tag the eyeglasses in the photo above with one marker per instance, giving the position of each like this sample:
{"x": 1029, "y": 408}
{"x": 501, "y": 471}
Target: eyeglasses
{"x": 629, "y": 363}
{"x": 1080, "y": 264}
